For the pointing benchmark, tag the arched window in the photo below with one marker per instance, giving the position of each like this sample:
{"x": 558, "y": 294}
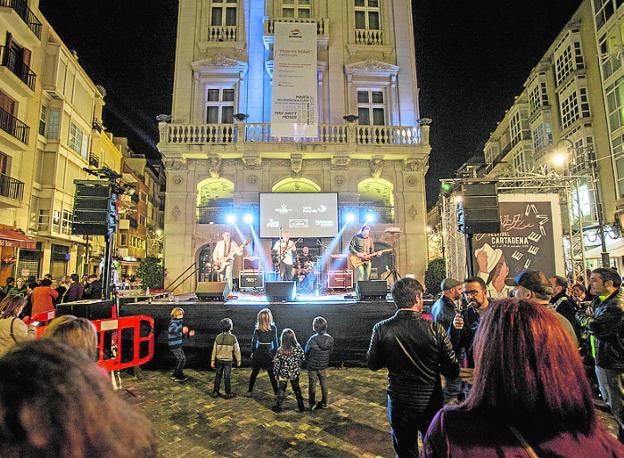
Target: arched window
{"x": 377, "y": 196}
{"x": 214, "y": 200}
{"x": 296, "y": 185}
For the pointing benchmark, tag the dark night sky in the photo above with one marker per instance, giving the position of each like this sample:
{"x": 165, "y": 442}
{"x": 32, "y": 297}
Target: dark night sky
{"x": 471, "y": 63}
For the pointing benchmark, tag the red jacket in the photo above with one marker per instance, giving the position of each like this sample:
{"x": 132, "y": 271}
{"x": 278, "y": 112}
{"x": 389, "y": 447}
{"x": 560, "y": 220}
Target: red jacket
{"x": 42, "y": 299}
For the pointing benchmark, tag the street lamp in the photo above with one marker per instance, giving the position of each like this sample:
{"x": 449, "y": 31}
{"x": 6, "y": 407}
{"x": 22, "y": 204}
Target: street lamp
{"x": 562, "y": 159}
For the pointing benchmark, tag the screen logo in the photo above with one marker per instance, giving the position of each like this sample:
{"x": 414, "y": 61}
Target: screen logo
{"x": 299, "y": 223}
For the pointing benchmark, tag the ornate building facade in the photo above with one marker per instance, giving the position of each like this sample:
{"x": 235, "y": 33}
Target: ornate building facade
{"x": 218, "y": 150}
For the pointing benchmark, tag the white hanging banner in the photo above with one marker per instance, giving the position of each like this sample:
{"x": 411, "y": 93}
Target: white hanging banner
{"x": 294, "y": 104}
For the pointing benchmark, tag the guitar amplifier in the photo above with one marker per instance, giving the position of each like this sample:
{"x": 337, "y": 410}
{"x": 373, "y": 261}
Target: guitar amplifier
{"x": 338, "y": 262}
{"x": 340, "y": 279}
{"x": 251, "y": 279}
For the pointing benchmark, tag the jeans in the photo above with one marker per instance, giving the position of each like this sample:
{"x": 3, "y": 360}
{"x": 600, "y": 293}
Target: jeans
{"x": 226, "y": 276}
{"x": 321, "y": 375}
{"x": 405, "y": 420}
{"x": 285, "y": 271}
{"x": 281, "y": 393}
{"x": 254, "y": 374}
{"x": 225, "y": 368}
{"x": 363, "y": 271}
{"x": 610, "y": 382}
{"x": 180, "y": 359}
{"x": 452, "y": 389}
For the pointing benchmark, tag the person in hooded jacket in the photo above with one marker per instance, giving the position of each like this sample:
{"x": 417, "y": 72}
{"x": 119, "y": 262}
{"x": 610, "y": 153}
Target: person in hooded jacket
{"x": 318, "y": 351}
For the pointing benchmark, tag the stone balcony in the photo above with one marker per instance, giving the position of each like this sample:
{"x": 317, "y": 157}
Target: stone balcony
{"x": 322, "y": 30}
{"x": 257, "y": 137}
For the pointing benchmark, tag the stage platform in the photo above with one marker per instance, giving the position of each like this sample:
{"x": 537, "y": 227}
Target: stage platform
{"x": 350, "y": 323}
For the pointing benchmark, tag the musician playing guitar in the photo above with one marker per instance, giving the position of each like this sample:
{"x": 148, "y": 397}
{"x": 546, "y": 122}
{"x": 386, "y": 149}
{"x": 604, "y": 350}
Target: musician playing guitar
{"x": 285, "y": 251}
{"x": 362, "y": 247}
{"x": 222, "y": 257}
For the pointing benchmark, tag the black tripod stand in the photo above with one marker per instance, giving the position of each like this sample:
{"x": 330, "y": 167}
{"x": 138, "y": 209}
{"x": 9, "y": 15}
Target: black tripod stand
{"x": 392, "y": 271}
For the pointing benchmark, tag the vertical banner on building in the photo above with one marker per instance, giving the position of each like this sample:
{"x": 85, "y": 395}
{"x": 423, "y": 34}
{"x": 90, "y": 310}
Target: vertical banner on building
{"x": 294, "y": 104}
{"x": 531, "y": 237}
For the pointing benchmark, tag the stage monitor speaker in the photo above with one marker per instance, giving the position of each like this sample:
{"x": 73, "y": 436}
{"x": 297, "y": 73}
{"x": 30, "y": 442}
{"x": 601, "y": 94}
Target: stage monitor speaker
{"x": 338, "y": 262}
{"x": 479, "y": 212}
{"x": 210, "y": 290}
{"x": 371, "y": 290}
{"x": 251, "y": 263}
{"x": 281, "y": 290}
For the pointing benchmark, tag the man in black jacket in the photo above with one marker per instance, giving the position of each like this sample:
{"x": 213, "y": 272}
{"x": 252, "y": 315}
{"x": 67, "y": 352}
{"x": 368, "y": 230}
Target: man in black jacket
{"x": 562, "y": 302}
{"x": 415, "y": 351}
{"x": 607, "y": 328}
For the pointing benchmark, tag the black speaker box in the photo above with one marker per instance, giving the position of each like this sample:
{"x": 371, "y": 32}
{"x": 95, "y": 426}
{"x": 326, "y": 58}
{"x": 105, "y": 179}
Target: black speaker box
{"x": 210, "y": 291}
{"x": 281, "y": 290}
{"x": 371, "y": 290}
{"x": 91, "y": 309}
{"x": 480, "y": 209}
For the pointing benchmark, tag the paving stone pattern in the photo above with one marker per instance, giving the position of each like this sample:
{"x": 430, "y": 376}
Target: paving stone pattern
{"x": 191, "y": 423}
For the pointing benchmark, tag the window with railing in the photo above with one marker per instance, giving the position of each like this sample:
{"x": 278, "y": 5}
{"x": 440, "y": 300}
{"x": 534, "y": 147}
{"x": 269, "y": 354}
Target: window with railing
{"x": 22, "y": 10}
{"x": 219, "y": 106}
{"x": 223, "y": 20}
{"x": 13, "y": 59}
{"x": 297, "y": 8}
{"x": 368, "y": 22}
{"x": 371, "y": 107}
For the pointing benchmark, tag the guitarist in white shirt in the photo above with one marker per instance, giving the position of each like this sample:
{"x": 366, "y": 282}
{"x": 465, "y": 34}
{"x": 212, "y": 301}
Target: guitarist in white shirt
{"x": 221, "y": 254}
{"x": 362, "y": 246}
{"x": 285, "y": 250}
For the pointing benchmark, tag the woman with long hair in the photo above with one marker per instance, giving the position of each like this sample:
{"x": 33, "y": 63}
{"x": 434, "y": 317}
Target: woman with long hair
{"x": 12, "y": 329}
{"x": 287, "y": 367}
{"x": 530, "y": 396}
{"x": 263, "y": 347}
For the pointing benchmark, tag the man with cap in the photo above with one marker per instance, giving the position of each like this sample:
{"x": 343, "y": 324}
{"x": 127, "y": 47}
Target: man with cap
{"x": 443, "y": 312}
{"x": 534, "y": 286}
{"x": 443, "y": 309}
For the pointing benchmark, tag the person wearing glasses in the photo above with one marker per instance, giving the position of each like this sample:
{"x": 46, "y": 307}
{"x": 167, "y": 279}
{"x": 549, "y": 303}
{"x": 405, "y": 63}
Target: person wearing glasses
{"x": 464, "y": 327}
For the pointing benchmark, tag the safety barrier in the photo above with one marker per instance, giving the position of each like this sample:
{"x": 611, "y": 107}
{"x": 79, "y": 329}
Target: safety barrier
{"x": 119, "y": 339}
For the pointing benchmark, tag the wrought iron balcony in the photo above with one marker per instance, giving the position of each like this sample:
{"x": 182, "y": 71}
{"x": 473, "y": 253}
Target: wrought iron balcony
{"x": 11, "y": 188}
{"x": 328, "y": 134}
{"x": 22, "y": 10}
{"x": 14, "y": 126}
{"x": 13, "y": 61}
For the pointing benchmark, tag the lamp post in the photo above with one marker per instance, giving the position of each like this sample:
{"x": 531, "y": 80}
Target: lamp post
{"x": 604, "y": 255}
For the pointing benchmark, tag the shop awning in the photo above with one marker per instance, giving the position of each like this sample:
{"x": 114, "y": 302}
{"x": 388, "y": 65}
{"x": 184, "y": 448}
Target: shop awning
{"x": 16, "y": 239}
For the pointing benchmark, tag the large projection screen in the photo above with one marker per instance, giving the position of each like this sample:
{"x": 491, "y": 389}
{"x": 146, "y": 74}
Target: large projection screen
{"x": 303, "y": 214}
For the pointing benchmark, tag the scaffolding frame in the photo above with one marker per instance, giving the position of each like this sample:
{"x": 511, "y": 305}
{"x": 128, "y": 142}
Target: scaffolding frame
{"x": 539, "y": 181}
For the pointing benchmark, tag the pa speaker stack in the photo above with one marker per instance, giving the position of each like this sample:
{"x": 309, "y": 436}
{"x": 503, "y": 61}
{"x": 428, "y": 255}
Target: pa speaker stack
{"x": 371, "y": 290}
{"x": 281, "y": 290}
{"x": 478, "y": 213}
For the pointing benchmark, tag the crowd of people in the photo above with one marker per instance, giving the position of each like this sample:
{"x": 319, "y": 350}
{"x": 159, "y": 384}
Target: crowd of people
{"x": 484, "y": 377}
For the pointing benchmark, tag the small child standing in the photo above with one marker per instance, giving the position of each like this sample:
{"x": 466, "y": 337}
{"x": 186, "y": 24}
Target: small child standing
{"x": 318, "y": 350}
{"x": 175, "y": 334}
{"x": 287, "y": 366}
{"x": 225, "y": 351}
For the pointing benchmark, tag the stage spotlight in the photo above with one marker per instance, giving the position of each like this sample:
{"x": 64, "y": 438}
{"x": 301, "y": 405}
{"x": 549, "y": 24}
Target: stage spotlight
{"x": 248, "y": 218}
{"x": 350, "y": 217}
{"x": 370, "y": 217}
{"x": 230, "y": 218}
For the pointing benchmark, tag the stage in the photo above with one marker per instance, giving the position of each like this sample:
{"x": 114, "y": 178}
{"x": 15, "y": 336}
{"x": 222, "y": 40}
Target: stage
{"x": 350, "y": 322}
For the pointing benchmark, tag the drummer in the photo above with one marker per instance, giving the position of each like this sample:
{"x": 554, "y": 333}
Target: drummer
{"x": 306, "y": 268}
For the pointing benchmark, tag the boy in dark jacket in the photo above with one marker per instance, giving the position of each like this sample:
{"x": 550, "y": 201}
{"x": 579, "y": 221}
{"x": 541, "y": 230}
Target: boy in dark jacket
{"x": 175, "y": 337}
{"x": 318, "y": 350}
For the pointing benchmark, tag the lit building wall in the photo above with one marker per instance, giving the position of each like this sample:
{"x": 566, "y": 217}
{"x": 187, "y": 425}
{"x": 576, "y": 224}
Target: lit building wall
{"x": 224, "y": 66}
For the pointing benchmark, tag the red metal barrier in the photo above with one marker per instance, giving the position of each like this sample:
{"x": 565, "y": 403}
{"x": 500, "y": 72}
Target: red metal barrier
{"x": 110, "y": 359}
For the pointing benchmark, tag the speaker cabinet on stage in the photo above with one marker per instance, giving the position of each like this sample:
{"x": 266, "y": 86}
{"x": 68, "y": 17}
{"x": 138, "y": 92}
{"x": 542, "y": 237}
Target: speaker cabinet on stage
{"x": 340, "y": 279}
{"x": 251, "y": 279}
{"x": 371, "y": 290}
{"x": 91, "y": 309}
{"x": 251, "y": 263}
{"x": 339, "y": 262}
{"x": 281, "y": 290}
{"x": 479, "y": 213}
{"x": 210, "y": 290}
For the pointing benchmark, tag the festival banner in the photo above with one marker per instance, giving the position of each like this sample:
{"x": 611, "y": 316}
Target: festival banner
{"x": 294, "y": 98}
{"x": 530, "y": 238}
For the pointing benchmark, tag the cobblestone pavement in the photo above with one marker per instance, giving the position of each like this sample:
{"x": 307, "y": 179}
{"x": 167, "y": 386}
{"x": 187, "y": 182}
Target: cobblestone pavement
{"x": 191, "y": 423}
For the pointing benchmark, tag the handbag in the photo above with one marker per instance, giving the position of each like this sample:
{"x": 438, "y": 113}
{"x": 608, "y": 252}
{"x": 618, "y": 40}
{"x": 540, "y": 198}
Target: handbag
{"x": 527, "y": 447}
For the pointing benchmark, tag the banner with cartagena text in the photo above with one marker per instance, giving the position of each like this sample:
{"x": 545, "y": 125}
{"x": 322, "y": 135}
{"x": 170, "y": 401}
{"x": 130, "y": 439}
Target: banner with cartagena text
{"x": 294, "y": 98}
{"x": 531, "y": 237}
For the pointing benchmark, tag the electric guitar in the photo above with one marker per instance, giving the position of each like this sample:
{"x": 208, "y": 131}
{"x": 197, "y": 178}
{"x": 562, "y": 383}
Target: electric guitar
{"x": 221, "y": 264}
{"x": 357, "y": 261}
{"x": 281, "y": 254}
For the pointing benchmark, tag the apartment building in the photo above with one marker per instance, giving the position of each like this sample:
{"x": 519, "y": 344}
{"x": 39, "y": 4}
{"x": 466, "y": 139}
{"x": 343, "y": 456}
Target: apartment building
{"x": 218, "y": 150}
